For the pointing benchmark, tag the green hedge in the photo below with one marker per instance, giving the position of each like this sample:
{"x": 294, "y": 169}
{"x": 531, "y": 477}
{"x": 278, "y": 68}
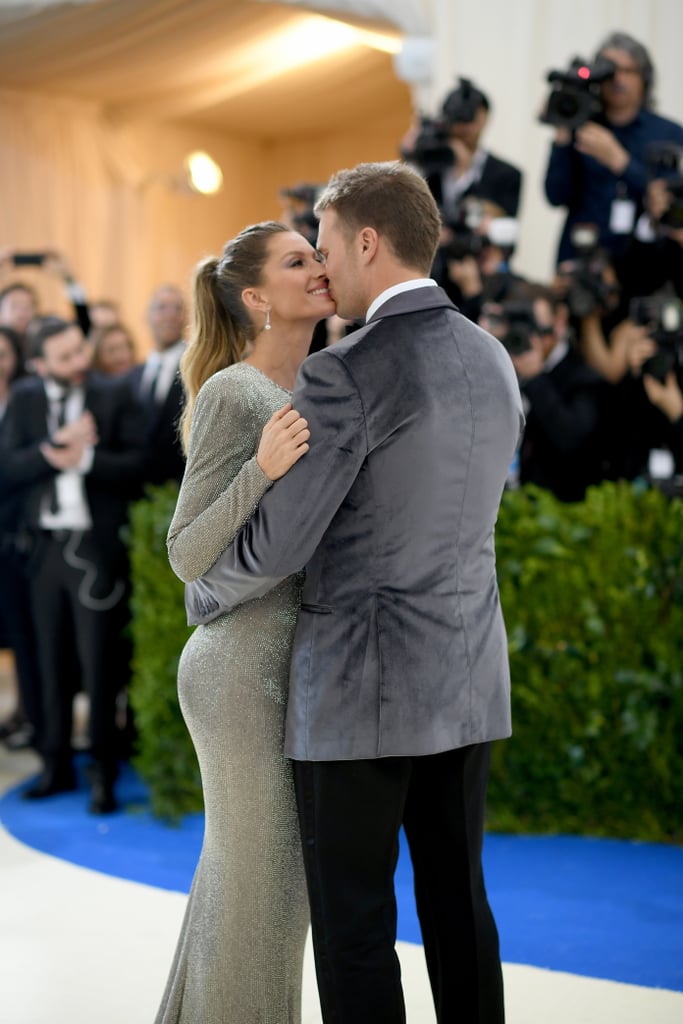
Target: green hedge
{"x": 593, "y": 602}
{"x": 165, "y": 759}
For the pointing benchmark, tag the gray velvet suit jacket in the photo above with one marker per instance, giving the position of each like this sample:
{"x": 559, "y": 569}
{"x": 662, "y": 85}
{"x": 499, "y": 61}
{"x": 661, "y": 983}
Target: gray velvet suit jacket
{"x": 400, "y": 647}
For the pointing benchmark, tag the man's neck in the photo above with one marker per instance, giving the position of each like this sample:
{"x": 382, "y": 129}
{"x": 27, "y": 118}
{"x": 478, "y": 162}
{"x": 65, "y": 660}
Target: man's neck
{"x": 622, "y": 116}
{"x": 413, "y": 281}
{"x": 162, "y": 349}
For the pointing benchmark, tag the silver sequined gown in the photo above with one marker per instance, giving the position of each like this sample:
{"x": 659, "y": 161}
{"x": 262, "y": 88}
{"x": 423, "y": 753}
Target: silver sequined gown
{"x": 240, "y": 953}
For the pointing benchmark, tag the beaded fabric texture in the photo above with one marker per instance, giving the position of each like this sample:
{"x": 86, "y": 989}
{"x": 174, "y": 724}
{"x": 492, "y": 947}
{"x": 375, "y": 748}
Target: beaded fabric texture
{"x": 240, "y": 952}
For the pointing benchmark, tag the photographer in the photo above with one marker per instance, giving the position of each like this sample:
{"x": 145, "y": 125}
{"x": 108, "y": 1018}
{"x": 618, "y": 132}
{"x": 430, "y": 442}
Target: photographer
{"x": 473, "y": 264}
{"x": 473, "y": 189}
{"x": 560, "y": 393}
{"x": 597, "y": 166}
{"x": 655, "y": 256}
{"x": 642, "y": 403}
{"x": 667, "y": 396}
{"x": 473, "y": 171}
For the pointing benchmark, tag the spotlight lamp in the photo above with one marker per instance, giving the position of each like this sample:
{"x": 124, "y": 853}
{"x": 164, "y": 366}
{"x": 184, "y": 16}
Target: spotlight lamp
{"x": 203, "y": 173}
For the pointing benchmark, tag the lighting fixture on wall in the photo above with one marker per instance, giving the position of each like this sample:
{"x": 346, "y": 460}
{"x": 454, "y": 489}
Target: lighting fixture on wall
{"x": 202, "y": 174}
{"x": 414, "y": 63}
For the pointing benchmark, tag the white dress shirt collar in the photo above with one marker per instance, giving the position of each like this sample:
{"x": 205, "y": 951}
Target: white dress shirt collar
{"x": 167, "y": 362}
{"x": 396, "y": 289}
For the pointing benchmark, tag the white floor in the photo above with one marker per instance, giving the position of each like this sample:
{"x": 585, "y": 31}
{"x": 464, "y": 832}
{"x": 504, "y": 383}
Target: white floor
{"x": 79, "y": 947}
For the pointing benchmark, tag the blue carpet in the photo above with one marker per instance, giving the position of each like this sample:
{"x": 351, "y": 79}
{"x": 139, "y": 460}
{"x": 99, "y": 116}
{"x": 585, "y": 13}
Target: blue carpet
{"x": 596, "y": 907}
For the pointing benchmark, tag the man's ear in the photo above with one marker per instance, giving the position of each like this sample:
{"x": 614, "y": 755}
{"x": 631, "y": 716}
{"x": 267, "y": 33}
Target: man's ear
{"x": 254, "y": 299}
{"x": 368, "y": 243}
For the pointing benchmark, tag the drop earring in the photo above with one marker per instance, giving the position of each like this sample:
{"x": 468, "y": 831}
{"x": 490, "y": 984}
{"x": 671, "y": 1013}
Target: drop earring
{"x": 267, "y": 323}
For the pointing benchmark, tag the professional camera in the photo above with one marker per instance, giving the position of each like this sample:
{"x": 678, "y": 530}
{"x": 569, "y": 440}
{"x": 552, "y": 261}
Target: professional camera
{"x": 431, "y": 152}
{"x": 575, "y": 97}
{"x": 589, "y": 288}
{"x": 467, "y": 238}
{"x": 462, "y": 104}
{"x": 299, "y": 202}
{"x": 664, "y": 161}
{"x": 663, "y": 316}
{"x": 513, "y": 323}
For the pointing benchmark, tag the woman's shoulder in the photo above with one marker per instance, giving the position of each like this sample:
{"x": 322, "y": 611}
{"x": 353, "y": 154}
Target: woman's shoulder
{"x": 239, "y": 391}
{"x": 239, "y": 377}
{"x": 229, "y": 386}
{"x": 228, "y": 379}
{"x": 244, "y": 382}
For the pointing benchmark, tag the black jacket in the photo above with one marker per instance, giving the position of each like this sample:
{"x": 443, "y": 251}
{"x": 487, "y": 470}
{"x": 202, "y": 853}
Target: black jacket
{"x": 116, "y": 475}
{"x": 164, "y": 459}
{"x": 559, "y": 449}
{"x": 499, "y": 182}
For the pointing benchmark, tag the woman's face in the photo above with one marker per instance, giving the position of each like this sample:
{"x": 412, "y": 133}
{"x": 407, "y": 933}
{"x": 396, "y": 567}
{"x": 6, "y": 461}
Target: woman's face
{"x": 8, "y": 360}
{"x": 293, "y": 281}
{"x": 116, "y": 354}
{"x": 18, "y": 309}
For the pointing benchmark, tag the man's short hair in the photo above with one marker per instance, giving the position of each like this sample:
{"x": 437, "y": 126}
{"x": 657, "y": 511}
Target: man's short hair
{"x": 43, "y": 329}
{"x": 393, "y": 199}
{"x": 466, "y": 92}
{"x": 641, "y": 57}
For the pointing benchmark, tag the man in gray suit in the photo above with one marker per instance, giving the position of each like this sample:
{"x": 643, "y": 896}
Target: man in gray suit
{"x": 400, "y": 676}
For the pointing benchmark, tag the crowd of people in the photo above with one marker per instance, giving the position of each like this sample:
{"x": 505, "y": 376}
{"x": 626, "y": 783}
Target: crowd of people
{"x": 84, "y": 427}
{"x": 598, "y": 348}
{"x": 364, "y": 696}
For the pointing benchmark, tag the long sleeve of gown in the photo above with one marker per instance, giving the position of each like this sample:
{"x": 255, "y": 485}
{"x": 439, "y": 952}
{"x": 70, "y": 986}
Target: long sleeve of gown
{"x": 223, "y": 483}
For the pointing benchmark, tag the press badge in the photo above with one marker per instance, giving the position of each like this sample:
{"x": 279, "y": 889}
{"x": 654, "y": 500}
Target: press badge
{"x": 622, "y": 216}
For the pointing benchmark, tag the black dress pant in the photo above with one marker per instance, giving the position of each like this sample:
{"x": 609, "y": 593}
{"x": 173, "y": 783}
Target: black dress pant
{"x": 350, "y": 814}
{"x": 77, "y": 625}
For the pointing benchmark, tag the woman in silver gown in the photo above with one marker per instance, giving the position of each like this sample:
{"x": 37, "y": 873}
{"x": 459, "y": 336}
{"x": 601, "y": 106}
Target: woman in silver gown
{"x": 240, "y": 952}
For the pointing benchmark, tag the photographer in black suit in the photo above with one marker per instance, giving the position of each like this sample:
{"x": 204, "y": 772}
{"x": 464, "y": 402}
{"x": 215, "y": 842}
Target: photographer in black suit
{"x": 472, "y": 188}
{"x": 561, "y": 394}
{"x": 641, "y": 360}
{"x": 474, "y": 172}
{"x": 72, "y": 447}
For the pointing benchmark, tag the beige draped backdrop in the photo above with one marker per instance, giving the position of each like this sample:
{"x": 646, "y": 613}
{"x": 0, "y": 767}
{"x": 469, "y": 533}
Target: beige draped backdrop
{"x": 101, "y": 101}
{"x": 94, "y": 177}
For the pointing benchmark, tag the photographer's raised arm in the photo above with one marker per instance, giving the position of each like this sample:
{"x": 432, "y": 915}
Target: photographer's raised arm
{"x": 293, "y": 516}
{"x": 611, "y": 360}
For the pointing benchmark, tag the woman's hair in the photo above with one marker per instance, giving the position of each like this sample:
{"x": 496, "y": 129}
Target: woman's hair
{"x": 221, "y": 326}
{"x": 98, "y": 336}
{"x": 636, "y": 50}
{"x": 393, "y": 199}
{"x": 13, "y": 339}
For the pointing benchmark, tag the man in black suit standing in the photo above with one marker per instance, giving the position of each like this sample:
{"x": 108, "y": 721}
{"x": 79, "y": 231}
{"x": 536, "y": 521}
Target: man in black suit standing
{"x": 72, "y": 447}
{"x": 158, "y": 386}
